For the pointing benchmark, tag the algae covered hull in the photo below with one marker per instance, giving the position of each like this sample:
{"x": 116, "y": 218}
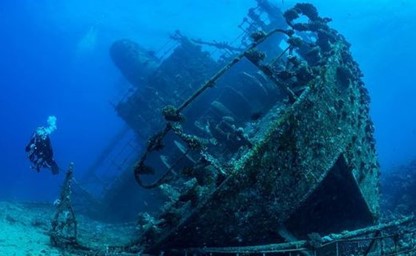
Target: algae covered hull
{"x": 269, "y": 142}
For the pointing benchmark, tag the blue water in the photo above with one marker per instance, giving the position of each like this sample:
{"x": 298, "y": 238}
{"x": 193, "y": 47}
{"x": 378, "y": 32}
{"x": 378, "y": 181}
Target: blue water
{"x": 54, "y": 61}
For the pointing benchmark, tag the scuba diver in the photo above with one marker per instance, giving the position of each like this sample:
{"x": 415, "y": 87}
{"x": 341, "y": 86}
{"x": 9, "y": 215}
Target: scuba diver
{"x": 39, "y": 148}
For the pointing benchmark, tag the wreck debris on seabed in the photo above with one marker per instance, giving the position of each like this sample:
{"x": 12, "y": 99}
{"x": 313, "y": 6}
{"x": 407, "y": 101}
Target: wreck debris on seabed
{"x": 64, "y": 231}
{"x": 260, "y": 149}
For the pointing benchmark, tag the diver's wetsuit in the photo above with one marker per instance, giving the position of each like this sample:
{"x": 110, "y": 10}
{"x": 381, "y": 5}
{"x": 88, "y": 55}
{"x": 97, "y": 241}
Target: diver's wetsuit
{"x": 40, "y": 153}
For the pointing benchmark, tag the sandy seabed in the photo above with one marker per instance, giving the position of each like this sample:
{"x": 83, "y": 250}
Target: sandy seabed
{"x": 24, "y": 230}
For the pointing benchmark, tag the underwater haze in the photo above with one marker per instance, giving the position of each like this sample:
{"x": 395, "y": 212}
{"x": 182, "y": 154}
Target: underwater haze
{"x": 55, "y": 61}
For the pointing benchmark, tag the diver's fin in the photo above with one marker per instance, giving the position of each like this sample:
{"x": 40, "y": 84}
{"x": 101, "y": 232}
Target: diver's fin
{"x": 54, "y": 168}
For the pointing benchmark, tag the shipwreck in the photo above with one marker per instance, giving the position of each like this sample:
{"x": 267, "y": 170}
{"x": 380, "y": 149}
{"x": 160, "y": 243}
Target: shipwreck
{"x": 266, "y": 141}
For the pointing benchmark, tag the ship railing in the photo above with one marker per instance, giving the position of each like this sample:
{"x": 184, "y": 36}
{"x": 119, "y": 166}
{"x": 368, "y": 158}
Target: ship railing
{"x": 389, "y": 239}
